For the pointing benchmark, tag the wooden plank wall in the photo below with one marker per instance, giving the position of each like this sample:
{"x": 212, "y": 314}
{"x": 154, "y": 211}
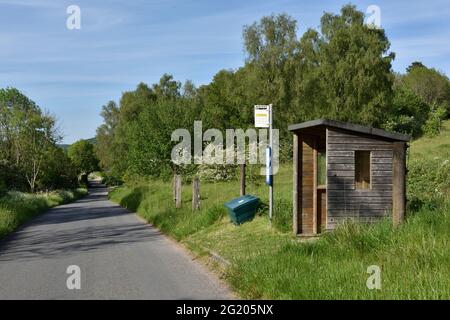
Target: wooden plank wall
{"x": 343, "y": 200}
{"x": 296, "y": 185}
{"x": 308, "y": 185}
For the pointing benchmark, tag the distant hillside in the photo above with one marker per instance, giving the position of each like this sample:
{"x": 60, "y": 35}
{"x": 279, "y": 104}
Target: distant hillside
{"x": 92, "y": 140}
{"x": 66, "y": 146}
{"x": 435, "y": 147}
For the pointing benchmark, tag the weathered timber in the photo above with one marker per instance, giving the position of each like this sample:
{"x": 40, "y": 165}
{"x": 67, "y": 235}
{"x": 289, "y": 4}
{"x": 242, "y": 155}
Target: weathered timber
{"x": 362, "y": 175}
{"x": 296, "y": 202}
{"x": 196, "y": 194}
{"x": 242, "y": 189}
{"x": 178, "y": 195}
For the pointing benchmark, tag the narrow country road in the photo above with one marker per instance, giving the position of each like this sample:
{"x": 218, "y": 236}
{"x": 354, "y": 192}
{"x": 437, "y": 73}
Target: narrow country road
{"x": 119, "y": 257}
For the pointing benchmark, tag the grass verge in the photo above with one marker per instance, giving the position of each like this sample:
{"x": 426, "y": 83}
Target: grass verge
{"x": 17, "y": 207}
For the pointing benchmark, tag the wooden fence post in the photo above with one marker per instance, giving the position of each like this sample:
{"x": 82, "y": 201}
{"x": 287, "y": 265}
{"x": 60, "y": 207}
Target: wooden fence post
{"x": 178, "y": 191}
{"x": 196, "y": 194}
{"x": 174, "y": 188}
{"x": 242, "y": 179}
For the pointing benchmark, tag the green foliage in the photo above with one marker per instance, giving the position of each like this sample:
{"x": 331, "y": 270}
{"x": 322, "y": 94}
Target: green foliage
{"x": 105, "y": 135}
{"x": 110, "y": 180}
{"x": 135, "y": 139}
{"x": 353, "y": 68}
{"x": 428, "y": 182}
{"x": 2, "y": 187}
{"x": 58, "y": 172}
{"x": 29, "y": 156}
{"x": 341, "y": 72}
{"x": 431, "y": 85}
{"x": 421, "y": 102}
{"x": 216, "y": 173}
{"x": 17, "y": 207}
{"x": 428, "y": 179}
{"x": 408, "y": 113}
{"x": 83, "y": 157}
{"x": 433, "y": 125}
{"x": 272, "y": 47}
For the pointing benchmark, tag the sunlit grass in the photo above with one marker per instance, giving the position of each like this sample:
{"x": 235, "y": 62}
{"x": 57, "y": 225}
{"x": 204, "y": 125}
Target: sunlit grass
{"x": 436, "y": 147}
{"x": 17, "y": 207}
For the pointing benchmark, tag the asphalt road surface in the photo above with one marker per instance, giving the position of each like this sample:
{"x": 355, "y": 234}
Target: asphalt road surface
{"x": 119, "y": 257}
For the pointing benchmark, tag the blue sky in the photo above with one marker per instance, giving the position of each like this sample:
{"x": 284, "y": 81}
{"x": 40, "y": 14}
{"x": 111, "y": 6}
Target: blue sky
{"x": 72, "y": 73}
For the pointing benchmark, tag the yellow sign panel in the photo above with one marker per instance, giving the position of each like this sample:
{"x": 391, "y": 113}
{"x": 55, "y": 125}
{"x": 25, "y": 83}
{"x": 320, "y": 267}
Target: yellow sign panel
{"x": 262, "y": 116}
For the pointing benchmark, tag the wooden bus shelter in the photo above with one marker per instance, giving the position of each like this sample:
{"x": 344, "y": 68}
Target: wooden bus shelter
{"x": 346, "y": 171}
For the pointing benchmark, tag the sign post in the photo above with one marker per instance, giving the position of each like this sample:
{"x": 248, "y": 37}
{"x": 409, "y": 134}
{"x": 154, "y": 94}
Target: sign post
{"x": 270, "y": 165}
{"x": 264, "y": 119}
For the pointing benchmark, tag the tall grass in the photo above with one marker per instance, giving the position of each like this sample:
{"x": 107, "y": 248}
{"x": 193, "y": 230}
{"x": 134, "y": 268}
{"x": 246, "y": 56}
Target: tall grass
{"x": 414, "y": 261}
{"x": 17, "y": 207}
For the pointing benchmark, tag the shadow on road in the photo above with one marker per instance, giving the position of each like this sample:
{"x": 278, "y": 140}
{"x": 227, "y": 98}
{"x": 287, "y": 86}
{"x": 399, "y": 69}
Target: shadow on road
{"x": 36, "y": 245}
{"x": 76, "y": 230}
